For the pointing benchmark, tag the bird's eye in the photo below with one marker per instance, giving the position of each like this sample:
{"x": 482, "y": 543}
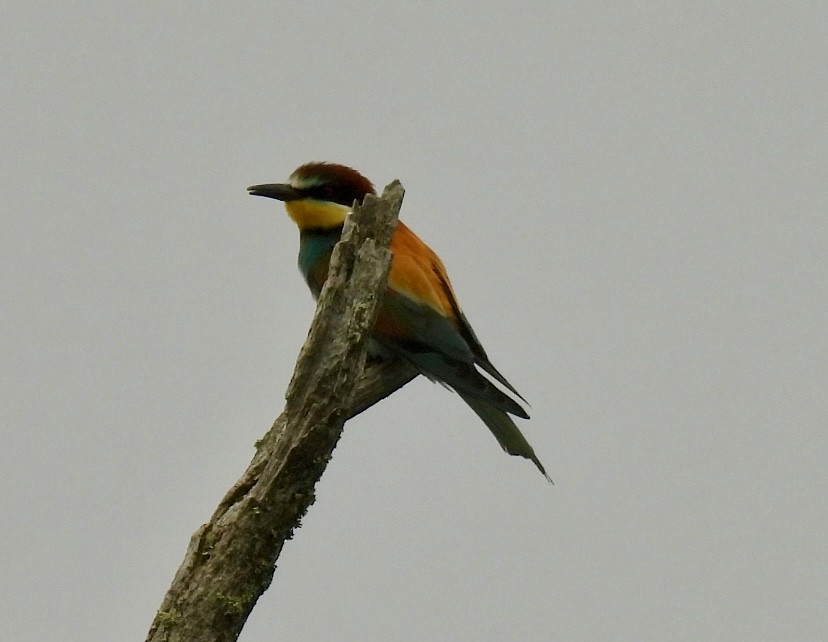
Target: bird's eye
{"x": 324, "y": 192}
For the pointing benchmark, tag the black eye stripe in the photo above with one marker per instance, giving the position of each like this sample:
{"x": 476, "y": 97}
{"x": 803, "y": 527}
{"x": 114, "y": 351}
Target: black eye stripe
{"x": 328, "y": 192}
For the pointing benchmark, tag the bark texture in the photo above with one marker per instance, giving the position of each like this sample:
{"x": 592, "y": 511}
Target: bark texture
{"x": 230, "y": 560}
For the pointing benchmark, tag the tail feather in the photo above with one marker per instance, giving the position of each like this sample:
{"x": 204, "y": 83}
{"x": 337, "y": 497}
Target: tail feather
{"x": 464, "y": 378}
{"x": 490, "y": 403}
{"x": 504, "y": 429}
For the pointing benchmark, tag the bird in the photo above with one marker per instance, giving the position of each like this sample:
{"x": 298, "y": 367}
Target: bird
{"x": 420, "y": 319}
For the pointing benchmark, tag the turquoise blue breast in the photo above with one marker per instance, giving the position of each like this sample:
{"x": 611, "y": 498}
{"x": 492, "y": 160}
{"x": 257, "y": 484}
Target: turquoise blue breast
{"x": 315, "y": 248}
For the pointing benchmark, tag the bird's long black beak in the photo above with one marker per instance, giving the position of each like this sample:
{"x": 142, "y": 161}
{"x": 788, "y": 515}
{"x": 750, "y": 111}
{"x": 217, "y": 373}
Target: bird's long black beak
{"x": 279, "y": 191}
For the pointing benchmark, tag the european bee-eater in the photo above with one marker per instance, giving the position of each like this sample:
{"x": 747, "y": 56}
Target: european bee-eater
{"x": 420, "y": 319}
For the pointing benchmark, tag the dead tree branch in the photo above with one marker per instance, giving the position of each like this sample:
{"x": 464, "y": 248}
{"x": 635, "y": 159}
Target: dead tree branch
{"x": 230, "y": 560}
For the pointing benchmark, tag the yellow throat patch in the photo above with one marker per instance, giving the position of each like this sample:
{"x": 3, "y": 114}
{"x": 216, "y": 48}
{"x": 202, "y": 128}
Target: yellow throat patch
{"x": 310, "y": 214}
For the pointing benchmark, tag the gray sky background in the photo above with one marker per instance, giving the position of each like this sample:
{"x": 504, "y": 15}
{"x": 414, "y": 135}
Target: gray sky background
{"x": 632, "y": 204}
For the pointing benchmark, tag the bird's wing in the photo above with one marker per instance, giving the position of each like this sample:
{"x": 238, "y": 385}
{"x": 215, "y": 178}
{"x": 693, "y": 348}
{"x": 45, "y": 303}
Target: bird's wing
{"x": 421, "y": 320}
{"x": 418, "y": 274}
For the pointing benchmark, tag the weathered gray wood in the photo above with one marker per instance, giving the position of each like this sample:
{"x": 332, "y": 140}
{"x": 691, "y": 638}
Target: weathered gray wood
{"x": 230, "y": 560}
